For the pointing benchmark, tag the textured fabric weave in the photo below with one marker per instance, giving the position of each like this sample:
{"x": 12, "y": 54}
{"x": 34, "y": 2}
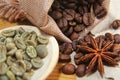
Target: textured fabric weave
{"x": 37, "y": 12}
{"x": 10, "y": 9}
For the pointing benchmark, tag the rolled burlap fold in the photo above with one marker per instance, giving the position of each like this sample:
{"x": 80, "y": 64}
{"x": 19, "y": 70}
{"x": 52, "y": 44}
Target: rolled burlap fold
{"x": 36, "y": 11}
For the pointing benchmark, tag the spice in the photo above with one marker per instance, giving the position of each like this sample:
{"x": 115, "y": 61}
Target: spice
{"x": 93, "y": 53}
{"x": 98, "y": 53}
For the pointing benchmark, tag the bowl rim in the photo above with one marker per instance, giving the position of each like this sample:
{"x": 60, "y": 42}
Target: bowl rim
{"x": 55, "y": 53}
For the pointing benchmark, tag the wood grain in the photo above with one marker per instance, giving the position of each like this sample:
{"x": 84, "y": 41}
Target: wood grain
{"x": 56, "y": 74}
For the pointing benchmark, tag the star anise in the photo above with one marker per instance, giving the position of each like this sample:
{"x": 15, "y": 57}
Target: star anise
{"x": 97, "y": 54}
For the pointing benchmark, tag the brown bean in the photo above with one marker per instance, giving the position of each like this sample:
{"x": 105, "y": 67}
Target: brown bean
{"x": 68, "y": 69}
{"x": 115, "y": 24}
{"x": 74, "y": 43}
{"x": 56, "y": 15}
{"x": 83, "y": 2}
{"x": 64, "y": 58}
{"x": 77, "y": 61}
{"x": 88, "y": 19}
{"x": 117, "y": 38}
{"x": 78, "y": 56}
{"x": 109, "y": 36}
{"x": 69, "y": 32}
{"x": 99, "y": 11}
{"x": 78, "y": 18}
{"x": 80, "y": 71}
{"x": 74, "y": 36}
{"x": 79, "y": 28}
{"x": 68, "y": 48}
{"x": 62, "y": 23}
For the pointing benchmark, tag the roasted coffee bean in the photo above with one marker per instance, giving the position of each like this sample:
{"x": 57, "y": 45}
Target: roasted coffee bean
{"x": 80, "y": 71}
{"x": 56, "y": 5}
{"x": 68, "y": 48}
{"x": 74, "y": 36}
{"x": 64, "y": 58}
{"x": 70, "y": 12}
{"x": 65, "y": 29}
{"x": 78, "y": 18}
{"x": 77, "y": 61}
{"x": 68, "y": 69}
{"x": 62, "y": 23}
{"x": 109, "y": 36}
{"x": 62, "y": 48}
{"x": 115, "y": 24}
{"x": 78, "y": 56}
{"x": 82, "y": 42}
{"x": 69, "y": 32}
{"x": 71, "y": 6}
{"x": 100, "y": 37}
{"x": 99, "y": 11}
{"x": 79, "y": 28}
{"x": 88, "y": 19}
{"x": 83, "y": 9}
{"x": 67, "y": 16}
{"x": 56, "y": 15}
{"x": 117, "y": 38}
{"x": 74, "y": 43}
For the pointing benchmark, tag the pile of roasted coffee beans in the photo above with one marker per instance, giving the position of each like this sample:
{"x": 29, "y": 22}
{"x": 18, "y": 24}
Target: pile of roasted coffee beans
{"x": 79, "y": 69}
{"x": 74, "y": 16}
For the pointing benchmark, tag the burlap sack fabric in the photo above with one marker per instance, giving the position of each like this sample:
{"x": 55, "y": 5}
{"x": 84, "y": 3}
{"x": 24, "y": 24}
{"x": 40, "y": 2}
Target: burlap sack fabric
{"x": 36, "y": 11}
{"x": 10, "y": 9}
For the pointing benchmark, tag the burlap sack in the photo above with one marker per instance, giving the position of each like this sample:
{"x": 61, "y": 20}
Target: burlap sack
{"x": 36, "y": 11}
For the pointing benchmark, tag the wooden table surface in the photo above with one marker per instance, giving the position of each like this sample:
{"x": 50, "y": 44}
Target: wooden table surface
{"x": 56, "y": 74}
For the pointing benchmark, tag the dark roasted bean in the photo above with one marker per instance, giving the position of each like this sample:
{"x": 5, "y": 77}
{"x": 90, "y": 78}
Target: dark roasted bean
{"x": 115, "y": 24}
{"x": 56, "y": 15}
{"x": 74, "y": 36}
{"x": 80, "y": 71}
{"x": 78, "y": 56}
{"x": 109, "y": 36}
{"x": 99, "y": 11}
{"x": 68, "y": 69}
{"x": 117, "y": 38}
{"x": 64, "y": 58}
